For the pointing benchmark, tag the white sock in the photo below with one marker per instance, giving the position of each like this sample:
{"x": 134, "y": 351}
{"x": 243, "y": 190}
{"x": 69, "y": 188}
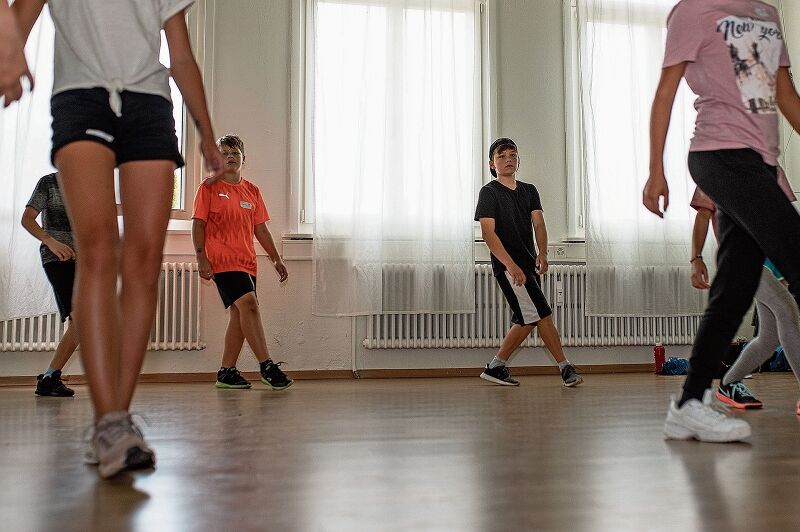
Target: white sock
{"x": 562, "y": 365}
{"x": 49, "y": 372}
{"x": 497, "y": 361}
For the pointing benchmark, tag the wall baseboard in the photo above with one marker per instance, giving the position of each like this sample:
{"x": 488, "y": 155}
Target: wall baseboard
{"x": 347, "y": 374}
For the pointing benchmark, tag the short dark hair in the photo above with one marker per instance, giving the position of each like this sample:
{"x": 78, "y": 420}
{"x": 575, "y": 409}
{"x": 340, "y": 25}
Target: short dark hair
{"x": 498, "y": 145}
{"x": 231, "y": 141}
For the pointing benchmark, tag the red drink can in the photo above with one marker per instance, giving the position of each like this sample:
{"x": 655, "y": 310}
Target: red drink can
{"x": 659, "y": 355}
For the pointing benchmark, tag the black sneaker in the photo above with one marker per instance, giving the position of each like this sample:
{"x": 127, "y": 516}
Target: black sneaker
{"x": 737, "y": 395}
{"x": 52, "y": 386}
{"x": 272, "y": 376}
{"x": 570, "y": 376}
{"x": 231, "y": 378}
{"x": 498, "y": 375}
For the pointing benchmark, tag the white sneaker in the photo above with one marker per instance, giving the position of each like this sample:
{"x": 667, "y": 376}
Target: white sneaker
{"x": 118, "y": 446}
{"x": 700, "y": 421}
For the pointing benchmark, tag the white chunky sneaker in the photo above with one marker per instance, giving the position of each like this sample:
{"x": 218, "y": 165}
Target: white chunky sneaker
{"x": 700, "y": 421}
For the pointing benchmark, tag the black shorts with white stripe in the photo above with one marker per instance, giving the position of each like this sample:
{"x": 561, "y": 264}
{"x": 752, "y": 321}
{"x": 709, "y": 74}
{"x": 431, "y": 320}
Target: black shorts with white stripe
{"x": 528, "y": 304}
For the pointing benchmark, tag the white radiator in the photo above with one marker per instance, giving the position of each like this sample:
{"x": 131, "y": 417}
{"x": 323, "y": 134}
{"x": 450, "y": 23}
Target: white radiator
{"x": 176, "y": 326}
{"x": 563, "y": 285}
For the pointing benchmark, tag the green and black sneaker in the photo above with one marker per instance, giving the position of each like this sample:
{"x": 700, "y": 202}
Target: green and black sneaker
{"x": 272, "y": 376}
{"x": 231, "y": 378}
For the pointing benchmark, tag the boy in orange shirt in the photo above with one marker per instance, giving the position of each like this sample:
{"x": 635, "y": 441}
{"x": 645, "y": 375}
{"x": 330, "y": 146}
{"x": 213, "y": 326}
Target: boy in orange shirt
{"x": 227, "y": 213}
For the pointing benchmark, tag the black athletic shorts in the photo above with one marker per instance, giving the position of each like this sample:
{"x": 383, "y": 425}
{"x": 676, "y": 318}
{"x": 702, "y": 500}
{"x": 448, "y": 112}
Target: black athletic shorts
{"x": 528, "y": 304}
{"x": 61, "y": 275}
{"x": 233, "y": 285}
{"x": 144, "y": 132}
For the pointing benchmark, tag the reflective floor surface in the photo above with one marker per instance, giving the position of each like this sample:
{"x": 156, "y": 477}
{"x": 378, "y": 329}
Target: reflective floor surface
{"x": 405, "y": 454}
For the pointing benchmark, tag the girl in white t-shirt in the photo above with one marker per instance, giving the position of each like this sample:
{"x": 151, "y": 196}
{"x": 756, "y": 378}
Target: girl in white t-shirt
{"x": 111, "y": 109}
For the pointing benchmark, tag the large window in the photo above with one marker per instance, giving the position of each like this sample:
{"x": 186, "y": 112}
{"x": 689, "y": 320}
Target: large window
{"x": 385, "y": 87}
{"x": 622, "y": 43}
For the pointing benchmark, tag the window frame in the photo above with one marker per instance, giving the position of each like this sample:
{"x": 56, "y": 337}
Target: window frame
{"x": 301, "y": 70}
{"x": 573, "y": 116}
{"x": 200, "y": 23}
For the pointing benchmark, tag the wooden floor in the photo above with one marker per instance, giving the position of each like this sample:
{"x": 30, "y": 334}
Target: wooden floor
{"x": 414, "y": 454}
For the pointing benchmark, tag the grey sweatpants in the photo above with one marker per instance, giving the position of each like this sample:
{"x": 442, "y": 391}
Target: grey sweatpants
{"x": 778, "y": 324}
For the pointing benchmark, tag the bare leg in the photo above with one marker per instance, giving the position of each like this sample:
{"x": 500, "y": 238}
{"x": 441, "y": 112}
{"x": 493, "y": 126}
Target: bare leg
{"x": 250, "y": 321}
{"x": 234, "y": 339}
{"x": 86, "y": 173}
{"x": 514, "y": 338}
{"x": 552, "y": 340}
{"x": 146, "y": 196}
{"x": 65, "y": 348}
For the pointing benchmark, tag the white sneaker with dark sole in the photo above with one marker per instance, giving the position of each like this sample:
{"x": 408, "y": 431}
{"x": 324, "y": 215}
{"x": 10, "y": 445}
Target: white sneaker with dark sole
{"x": 499, "y": 375}
{"x": 699, "y": 421}
{"x": 118, "y": 446}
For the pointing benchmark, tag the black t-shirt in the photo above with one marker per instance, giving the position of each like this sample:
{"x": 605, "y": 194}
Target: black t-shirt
{"x": 511, "y": 210}
{"x": 47, "y": 200}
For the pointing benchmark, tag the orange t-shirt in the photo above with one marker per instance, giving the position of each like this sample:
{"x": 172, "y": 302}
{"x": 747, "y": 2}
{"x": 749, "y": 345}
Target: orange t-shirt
{"x": 231, "y": 213}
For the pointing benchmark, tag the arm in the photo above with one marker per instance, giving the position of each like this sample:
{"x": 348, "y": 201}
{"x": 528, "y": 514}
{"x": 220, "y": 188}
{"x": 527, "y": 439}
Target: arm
{"x": 59, "y": 249}
{"x": 264, "y": 238}
{"x": 187, "y": 76}
{"x": 199, "y": 242}
{"x": 540, "y": 231}
{"x": 656, "y": 185}
{"x": 788, "y": 100}
{"x": 699, "y": 270}
{"x": 12, "y": 47}
{"x": 497, "y": 249}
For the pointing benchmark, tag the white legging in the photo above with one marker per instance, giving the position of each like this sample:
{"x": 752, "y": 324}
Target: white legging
{"x": 778, "y": 324}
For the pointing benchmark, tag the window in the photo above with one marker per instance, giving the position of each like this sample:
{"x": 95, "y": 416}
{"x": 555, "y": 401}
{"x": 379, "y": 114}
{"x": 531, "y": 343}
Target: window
{"x": 608, "y": 26}
{"x": 376, "y": 72}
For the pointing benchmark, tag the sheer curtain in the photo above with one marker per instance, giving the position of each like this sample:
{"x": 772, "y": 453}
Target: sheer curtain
{"x": 637, "y": 263}
{"x": 24, "y": 158}
{"x": 395, "y": 153}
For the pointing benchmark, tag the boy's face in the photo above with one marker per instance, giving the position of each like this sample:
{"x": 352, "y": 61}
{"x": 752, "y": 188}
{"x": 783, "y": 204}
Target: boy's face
{"x": 505, "y": 162}
{"x": 233, "y": 158}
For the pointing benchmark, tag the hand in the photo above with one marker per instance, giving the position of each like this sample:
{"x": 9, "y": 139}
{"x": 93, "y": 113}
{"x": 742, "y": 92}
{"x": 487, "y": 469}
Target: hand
{"x": 204, "y": 268}
{"x": 700, "y": 275}
{"x": 655, "y": 188}
{"x": 13, "y": 66}
{"x": 59, "y": 249}
{"x": 215, "y": 163}
{"x": 283, "y": 273}
{"x": 541, "y": 264}
{"x": 517, "y": 275}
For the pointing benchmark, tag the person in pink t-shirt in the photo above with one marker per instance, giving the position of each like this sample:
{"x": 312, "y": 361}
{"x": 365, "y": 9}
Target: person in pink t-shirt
{"x": 732, "y": 55}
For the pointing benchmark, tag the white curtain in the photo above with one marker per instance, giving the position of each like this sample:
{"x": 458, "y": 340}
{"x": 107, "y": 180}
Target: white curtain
{"x": 396, "y": 151}
{"x": 24, "y": 158}
{"x": 638, "y": 264}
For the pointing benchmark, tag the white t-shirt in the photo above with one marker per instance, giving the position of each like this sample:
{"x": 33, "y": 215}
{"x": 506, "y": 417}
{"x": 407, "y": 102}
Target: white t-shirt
{"x": 113, "y": 44}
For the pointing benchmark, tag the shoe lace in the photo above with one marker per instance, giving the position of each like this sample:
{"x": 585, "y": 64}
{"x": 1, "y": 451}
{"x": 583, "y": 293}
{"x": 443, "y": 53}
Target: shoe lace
{"x": 742, "y": 389}
{"x": 136, "y": 421}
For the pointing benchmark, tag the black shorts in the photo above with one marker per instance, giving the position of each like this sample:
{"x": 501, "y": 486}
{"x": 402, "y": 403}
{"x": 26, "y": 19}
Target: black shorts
{"x": 144, "y": 132}
{"x": 528, "y": 304}
{"x": 233, "y": 285}
{"x": 61, "y": 275}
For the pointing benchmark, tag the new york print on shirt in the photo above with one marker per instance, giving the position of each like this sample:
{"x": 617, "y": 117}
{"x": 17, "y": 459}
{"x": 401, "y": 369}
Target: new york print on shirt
{"x": 755, "y": 49}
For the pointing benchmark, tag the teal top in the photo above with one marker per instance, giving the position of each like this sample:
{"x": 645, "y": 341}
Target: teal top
{"x": 771, "y": 267}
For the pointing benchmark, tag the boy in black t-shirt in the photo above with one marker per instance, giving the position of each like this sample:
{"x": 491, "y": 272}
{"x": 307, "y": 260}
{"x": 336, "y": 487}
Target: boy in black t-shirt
{"x": 510, "y": 212}
{"x": 58, "y": 260}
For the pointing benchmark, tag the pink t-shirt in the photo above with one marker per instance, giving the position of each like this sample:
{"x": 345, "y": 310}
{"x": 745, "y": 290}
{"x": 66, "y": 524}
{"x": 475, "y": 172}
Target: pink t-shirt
{"x": 734, "y": 49}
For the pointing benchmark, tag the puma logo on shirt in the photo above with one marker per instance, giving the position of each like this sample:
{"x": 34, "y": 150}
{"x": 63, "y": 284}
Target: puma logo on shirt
{"x": 224, "y": 195}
